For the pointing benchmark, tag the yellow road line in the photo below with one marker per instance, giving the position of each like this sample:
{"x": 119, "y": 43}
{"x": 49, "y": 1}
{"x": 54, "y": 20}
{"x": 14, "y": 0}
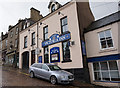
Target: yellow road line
{"x": 24, "y": 73}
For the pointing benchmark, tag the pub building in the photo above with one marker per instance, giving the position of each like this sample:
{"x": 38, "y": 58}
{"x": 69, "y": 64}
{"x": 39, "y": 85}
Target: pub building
{"x": 58, "y": 38}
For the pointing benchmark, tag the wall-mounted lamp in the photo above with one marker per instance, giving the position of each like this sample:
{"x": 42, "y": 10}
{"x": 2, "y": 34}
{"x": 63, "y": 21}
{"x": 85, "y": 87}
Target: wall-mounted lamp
{"x": 72, "y": 43}
{"x": 59, "y": 13}
{"x": 42, "y": 23}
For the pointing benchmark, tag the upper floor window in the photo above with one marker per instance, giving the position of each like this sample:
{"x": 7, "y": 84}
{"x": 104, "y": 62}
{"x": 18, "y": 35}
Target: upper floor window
{"x": 25, "y": 42}
{"x": 6, "y": 42}
{"x": 1, "y": 44}
{"x": 45, "y": 32}
{"x": 64, "y": 25}
{"x": 53, "y": 8}
{"x": 105, "y": 38}
{"x": 16, "y": 43}
{"x": 16, "y": 31}
{"x": 11, "y": 34}
{"x": 33, "y": 38}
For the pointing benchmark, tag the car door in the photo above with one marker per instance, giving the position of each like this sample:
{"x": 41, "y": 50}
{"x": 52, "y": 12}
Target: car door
{"x": 38, "y": 70}
{"x": 45, "y": 72}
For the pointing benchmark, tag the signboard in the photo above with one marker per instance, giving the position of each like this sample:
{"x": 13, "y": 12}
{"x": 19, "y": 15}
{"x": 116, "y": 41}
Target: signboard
{"x": 55, "y": 38}
{"x": 83, "y": 48}
{"x": 54, "y": 55}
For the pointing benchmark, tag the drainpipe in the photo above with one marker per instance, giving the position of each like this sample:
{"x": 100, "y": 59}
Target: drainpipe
{"x": 37, "y": 41}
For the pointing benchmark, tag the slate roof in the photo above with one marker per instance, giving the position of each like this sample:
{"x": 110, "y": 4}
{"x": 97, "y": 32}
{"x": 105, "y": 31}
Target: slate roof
{"x": 115, "y": 17}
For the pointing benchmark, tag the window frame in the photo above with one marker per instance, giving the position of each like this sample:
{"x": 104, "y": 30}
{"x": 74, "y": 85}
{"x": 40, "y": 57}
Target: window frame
{"x": 109, "y": 71}
{"x": 52, "y": 10}
{"x": 105, "y": 40}
{"x": 64, "y": 24}
{"x": 44, "y": 34}
{"x": 11, "y": 34}
{"x": 6, "y": 43}
{"x": 16, "y": 42}
{"x": 69, "y": 60}
{"x": 17, "y": 29}
{"x": 25, "y": 42}
{"x": 33, "y": 39}
{"x": 46, "y": 54}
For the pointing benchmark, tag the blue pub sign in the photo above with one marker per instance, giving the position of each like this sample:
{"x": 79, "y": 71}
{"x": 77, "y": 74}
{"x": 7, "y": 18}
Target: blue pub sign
{"x": 56, "y": 38}
{"x": 55, "y": 54}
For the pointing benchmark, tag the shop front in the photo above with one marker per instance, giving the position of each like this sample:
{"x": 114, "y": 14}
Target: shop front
{"x": 105, "y": 70}
{"x": 57, "y": 46}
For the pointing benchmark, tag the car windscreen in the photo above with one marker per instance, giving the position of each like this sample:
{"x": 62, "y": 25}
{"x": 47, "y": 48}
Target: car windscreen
{"x": 54, "y": 67}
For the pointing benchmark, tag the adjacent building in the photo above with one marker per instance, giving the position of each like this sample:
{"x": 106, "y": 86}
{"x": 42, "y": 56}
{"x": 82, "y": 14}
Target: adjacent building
{"x": 10, "y": 41}
{"x": 103, "y": 51}
{"x": 4, "y": 44}
{"x": 58, "y": 38}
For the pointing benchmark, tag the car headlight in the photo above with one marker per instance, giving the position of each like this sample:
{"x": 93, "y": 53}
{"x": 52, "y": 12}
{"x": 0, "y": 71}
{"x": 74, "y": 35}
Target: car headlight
{"x": 62, "y": 77}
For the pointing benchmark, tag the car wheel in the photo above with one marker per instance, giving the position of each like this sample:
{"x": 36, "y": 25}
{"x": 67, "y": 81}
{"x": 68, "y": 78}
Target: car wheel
{"x": 32, "y": 74}
{"x": 53, "y": 80}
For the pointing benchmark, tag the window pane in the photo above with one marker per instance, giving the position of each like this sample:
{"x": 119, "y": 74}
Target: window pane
{"x": 104, "y": 66}
{"x": 97, "y": 75}
{"x": 46, "y": 30}
{"x": 44, "y": 67}
{"x": 110, "y": 43}
{"x": 101, "y": 34}
{"x": 64, "y": 21}
{"x": 113, "y": 65}
{"x": 66, "y": 51}
{"x": 107, "y": 34}
{"x": 114, "y": 74}
{"x": 105, "y": 75}
{"x": 96, "y": 66}
{"x": 65, "y": 28}
{"x": 103, "y": 44}
{"x": 46, "y": 36}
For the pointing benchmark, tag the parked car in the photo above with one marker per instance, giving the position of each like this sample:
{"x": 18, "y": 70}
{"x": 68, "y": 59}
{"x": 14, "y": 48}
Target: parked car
{"x": 50, "y": 72}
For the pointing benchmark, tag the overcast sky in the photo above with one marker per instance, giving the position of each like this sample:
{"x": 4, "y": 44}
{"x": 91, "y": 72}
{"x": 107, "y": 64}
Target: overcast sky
{"x": 12, "y": 10}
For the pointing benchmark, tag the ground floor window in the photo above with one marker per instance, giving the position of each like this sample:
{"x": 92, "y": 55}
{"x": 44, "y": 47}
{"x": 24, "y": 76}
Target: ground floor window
{"x": 106, "y": 71}
{"x": 66, "y": 51}
{"x": 46, "y": 55}
{"x": 32, "y": 57}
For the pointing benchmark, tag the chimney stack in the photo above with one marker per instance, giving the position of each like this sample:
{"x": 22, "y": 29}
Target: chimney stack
{"x": 35, "y": 14}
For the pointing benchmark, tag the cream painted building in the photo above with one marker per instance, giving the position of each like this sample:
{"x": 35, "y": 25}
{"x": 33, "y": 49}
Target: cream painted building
{"x": 58, "y": 38}
{"x": 102, "y": 40}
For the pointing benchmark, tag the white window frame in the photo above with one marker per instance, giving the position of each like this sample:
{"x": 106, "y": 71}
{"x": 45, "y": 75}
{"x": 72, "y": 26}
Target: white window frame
{"x": 16, "y": 30}
{"x": 11, "y": 34}
{"x": 106, "y": 44}
{"x": 16, "y": 42}
{"x": 6, "y": 42}
{"x": 105, "y": 70}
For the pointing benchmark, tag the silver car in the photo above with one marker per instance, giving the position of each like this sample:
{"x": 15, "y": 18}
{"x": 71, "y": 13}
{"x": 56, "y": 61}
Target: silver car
{"x": 50, "y": 72}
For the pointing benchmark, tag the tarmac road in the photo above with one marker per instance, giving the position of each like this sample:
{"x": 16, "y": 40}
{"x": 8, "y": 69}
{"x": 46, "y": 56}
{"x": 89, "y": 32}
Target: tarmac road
{"x": 16, "y": 78}
{"x": 12, "y": 78}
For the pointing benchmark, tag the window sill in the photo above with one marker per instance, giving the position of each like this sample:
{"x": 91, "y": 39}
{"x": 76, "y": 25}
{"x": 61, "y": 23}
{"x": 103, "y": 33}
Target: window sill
{"x": 107, "y": 50}
{"x": 24, "y": 47}
{"x": 33, "y": 44}
{"x": 107, "y": 81}
{"x": 66, "y": 61}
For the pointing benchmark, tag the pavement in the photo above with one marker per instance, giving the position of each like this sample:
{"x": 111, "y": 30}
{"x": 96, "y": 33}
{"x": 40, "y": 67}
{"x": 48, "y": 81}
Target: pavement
{"x": 75, "y": 84}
